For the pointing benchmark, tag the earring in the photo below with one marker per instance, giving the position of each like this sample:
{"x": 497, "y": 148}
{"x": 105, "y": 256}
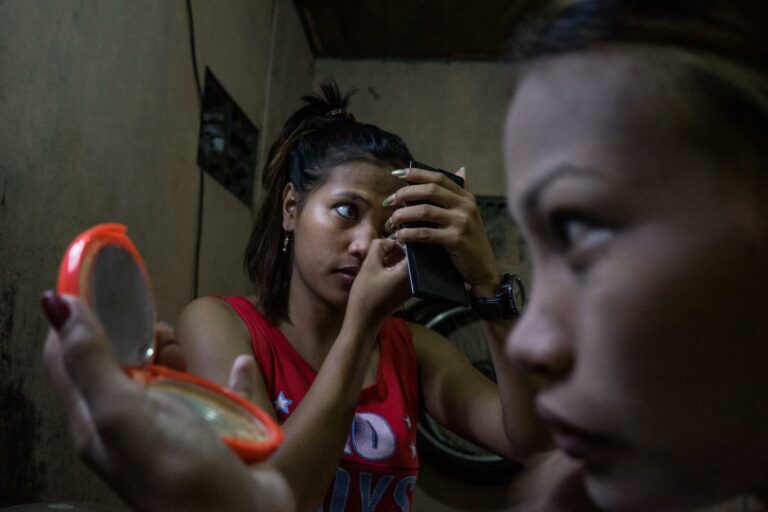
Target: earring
{"x": 286, "y": 241}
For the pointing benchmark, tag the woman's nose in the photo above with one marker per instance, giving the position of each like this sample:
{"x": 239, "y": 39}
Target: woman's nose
{"x": 362, "y": 237}
{"x": 540, "y": 343}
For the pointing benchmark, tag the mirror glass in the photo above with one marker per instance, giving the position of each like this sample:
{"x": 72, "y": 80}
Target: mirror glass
{"x": 225, "y": 417}
{"x": 121, "y": 296}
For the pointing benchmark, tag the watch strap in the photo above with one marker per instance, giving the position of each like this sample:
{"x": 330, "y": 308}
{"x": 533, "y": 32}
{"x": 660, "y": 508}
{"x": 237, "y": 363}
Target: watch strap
{"x": 502, "y": 306}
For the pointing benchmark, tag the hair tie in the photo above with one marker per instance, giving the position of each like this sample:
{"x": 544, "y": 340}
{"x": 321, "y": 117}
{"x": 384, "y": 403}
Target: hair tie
{"x": 339, "y": 112}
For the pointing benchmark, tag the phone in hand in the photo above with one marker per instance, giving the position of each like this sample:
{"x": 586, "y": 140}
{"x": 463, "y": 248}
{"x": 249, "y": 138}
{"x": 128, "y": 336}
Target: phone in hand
{"x": 431, "y": 271}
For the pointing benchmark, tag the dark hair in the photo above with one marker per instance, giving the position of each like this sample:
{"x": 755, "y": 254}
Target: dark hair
{"x": 320, "y": 135}
{"x": 732, "y": 29}
{"x": 721, "y": 46}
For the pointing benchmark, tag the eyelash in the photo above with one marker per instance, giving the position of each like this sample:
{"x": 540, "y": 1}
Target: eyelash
{"x": 356, "y": 216}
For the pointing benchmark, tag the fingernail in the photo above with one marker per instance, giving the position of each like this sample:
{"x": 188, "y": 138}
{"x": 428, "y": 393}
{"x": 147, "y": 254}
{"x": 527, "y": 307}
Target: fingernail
{"x": 399, "y": 172}
{"x": 388, "y": 225}
{"x": 388, "y": 200}
{"x": 55, "y": 309}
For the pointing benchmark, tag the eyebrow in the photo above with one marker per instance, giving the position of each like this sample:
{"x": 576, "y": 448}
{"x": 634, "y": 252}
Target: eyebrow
{"x": 352, "y": 196}
{"x": 530, "y": 200}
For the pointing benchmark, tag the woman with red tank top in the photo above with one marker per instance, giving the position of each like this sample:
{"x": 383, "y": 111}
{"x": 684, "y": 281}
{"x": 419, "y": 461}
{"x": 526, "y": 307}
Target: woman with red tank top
{"x": 317, "y": 344}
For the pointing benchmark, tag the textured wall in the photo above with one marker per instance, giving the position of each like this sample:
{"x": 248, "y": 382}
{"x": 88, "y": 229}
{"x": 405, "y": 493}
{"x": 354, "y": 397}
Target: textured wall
{"x": 100, "y": 124}
{"x": 285, "y": 77}
{"x": 449, "y": 113}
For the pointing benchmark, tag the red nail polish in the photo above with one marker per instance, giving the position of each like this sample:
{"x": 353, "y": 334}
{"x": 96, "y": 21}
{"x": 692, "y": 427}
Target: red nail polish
{"x": 55, "y": 309}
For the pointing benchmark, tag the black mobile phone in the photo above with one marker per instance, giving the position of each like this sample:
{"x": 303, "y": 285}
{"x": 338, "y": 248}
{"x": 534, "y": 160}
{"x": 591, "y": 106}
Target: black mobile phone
{"x": 431, "y": 272}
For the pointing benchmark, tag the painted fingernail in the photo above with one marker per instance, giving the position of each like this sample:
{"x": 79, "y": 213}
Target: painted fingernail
{"x": 55, "y": 309}
{"x": 388, "y": 225}
{"x": 388, "y": 201}
{"x": 400, "y": 172}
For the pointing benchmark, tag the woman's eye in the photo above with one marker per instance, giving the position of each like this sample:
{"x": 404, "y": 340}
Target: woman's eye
{"x": 348, "y": 211}
{"x": 579, "y": 233}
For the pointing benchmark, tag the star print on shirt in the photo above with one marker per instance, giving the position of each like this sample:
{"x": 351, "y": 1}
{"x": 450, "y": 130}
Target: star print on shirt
{"x": 282, "y": 403}
{"x": 407, "y": 420}
{"x": 413, "y": 450}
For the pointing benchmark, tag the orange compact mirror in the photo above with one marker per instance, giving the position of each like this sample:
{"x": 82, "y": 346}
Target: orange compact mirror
{"x": 103, "y": 267}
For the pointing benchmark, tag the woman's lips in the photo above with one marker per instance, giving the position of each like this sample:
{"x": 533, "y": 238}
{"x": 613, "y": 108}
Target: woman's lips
{"x": 348, "y": 274}
{"x": 576, "y": 442}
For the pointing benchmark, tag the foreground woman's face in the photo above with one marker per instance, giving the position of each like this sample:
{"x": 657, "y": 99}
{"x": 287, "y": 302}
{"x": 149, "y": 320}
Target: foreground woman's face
{"x": 649, "y": 312}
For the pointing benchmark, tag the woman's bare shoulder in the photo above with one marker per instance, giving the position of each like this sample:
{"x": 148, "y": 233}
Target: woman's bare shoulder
{"x": 211, "y": 316}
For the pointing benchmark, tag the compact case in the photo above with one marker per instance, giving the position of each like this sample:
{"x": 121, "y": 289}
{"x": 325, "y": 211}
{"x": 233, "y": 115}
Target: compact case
{"x": 103, "y": 267}
{"x": 431, "y": 271}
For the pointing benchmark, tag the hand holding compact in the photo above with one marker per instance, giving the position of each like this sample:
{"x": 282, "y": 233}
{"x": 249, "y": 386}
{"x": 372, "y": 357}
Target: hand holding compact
{"x": 459, "y": 230}
{"x": 103, "y": 267}
{"x": 151, "y": 449}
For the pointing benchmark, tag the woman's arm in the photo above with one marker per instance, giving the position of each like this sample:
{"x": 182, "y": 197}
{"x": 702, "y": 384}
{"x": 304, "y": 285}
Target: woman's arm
{"x": 213, "y": 336}
{"x": 498, "y": 417}
{"x": 516, "y": 388}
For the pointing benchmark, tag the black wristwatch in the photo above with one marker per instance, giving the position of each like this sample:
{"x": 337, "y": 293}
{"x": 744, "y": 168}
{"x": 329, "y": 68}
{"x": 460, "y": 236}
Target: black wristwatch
{"x": 508, "y": 303}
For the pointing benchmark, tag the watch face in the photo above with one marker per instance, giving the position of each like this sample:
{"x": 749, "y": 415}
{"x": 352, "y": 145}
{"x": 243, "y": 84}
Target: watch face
{"x": 518, "y": 294}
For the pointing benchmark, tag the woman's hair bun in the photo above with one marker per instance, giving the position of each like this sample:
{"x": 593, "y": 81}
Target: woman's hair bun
{"x": 330, "y": 103}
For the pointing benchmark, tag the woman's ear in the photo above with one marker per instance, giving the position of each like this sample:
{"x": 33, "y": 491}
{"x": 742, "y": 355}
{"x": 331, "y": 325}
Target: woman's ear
{"x": 290, "y": 205}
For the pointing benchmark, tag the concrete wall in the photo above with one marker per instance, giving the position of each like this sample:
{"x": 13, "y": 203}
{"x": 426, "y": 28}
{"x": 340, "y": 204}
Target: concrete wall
{"x": 449, "y": 113}
{"x": 100, "y": 123}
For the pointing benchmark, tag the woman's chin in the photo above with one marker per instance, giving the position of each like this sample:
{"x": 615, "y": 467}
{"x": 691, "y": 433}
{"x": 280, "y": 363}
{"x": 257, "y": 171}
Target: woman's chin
{"x": 608, "y": 494}
{"x": 633, "y": 493}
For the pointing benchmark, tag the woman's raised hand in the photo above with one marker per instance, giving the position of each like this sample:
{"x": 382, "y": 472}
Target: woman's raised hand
{"x": 155, "y": 453}
{"x": 460, "y": 228}
{"x": 382, "y": 283}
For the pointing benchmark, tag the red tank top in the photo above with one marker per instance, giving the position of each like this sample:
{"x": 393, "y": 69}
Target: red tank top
{"x": 378, "y": 468}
